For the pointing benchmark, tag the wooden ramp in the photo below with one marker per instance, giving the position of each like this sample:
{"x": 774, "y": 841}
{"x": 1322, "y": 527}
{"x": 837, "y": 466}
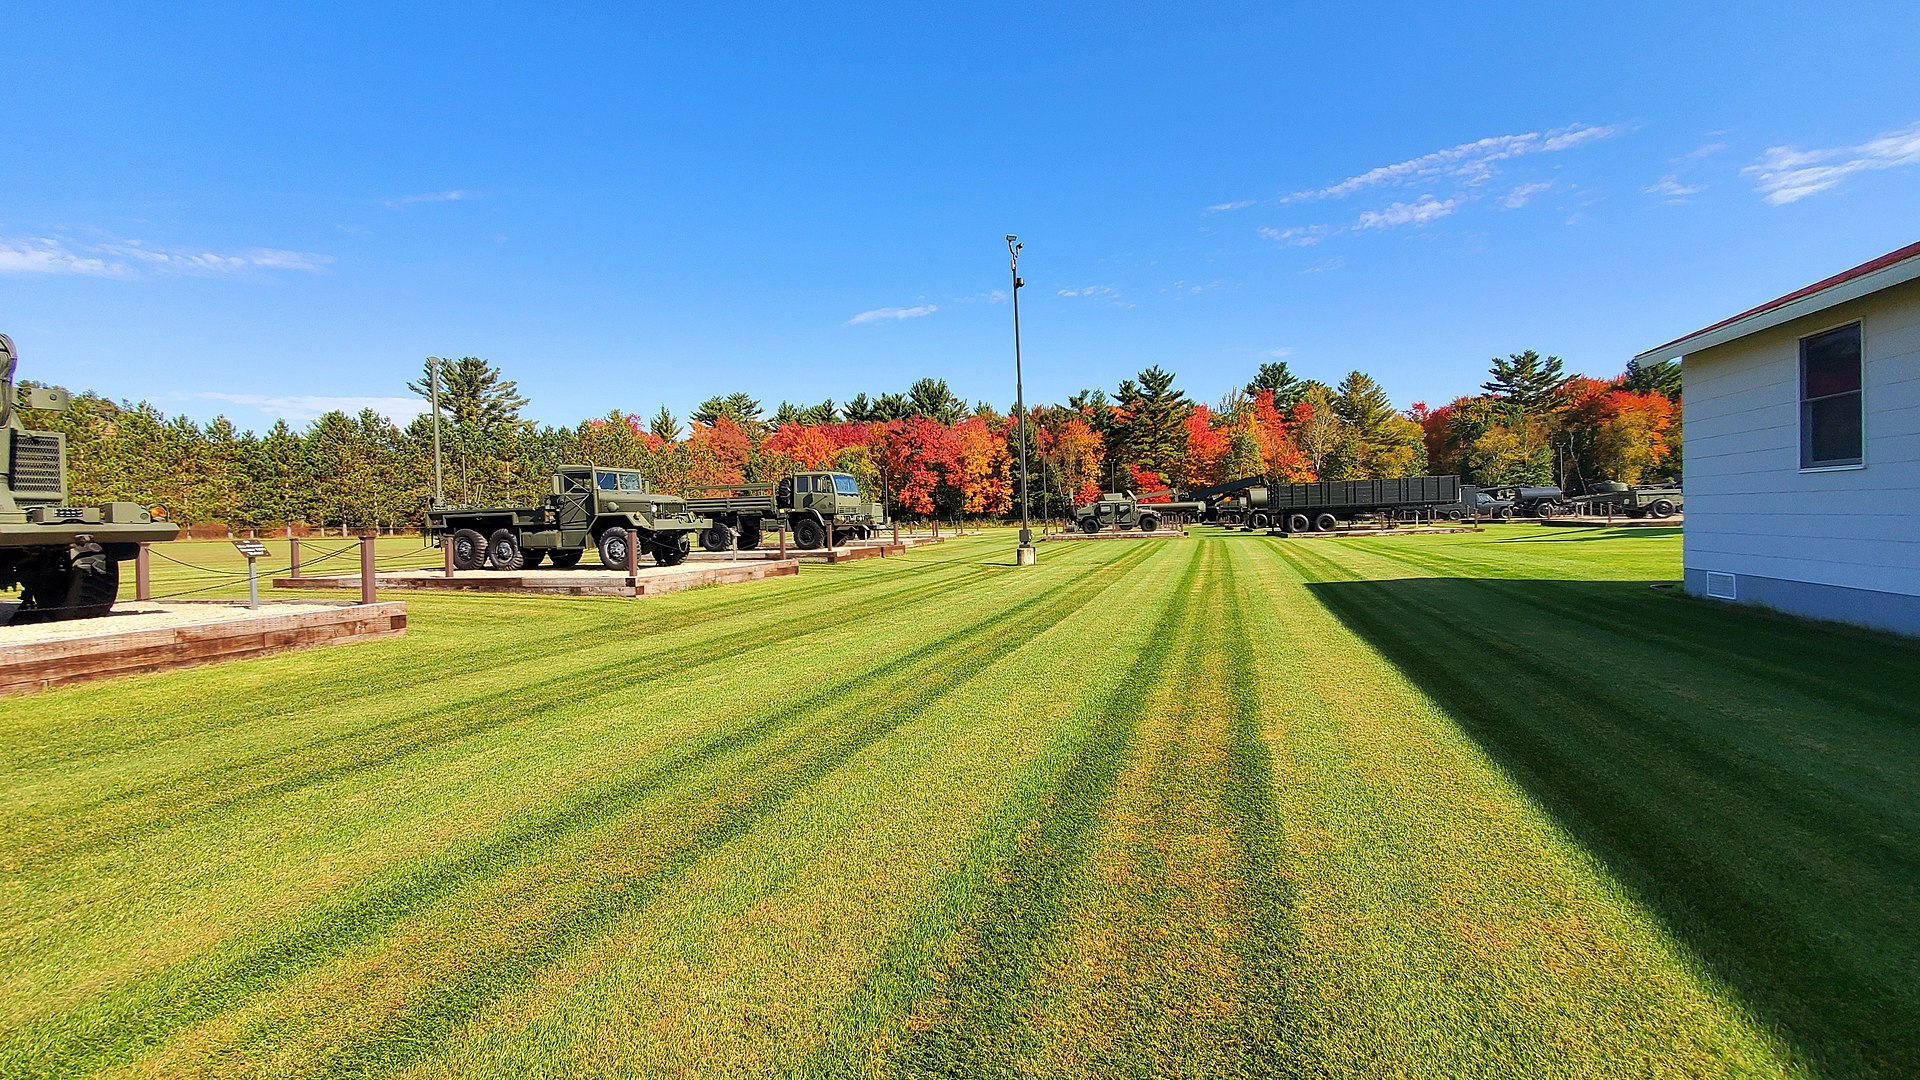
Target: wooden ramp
{"x": 579, "y": 581}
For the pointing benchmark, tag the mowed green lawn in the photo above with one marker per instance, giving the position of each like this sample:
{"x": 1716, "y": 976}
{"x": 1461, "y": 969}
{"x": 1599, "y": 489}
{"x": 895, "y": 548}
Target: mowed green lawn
{"x": 1482, "y": 805}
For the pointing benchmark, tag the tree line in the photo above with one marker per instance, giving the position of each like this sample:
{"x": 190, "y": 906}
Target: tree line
{"x": 925, "y": 451}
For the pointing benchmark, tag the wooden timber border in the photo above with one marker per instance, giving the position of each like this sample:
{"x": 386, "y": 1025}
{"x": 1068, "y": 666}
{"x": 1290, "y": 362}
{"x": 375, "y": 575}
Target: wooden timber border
{"x": 646, "y": 581}
{"x": 219, "y": 630}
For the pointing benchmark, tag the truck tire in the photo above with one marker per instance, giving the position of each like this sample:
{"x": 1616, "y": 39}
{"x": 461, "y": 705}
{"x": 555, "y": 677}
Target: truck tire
{"x": 718, "y": 538}
{"x": 531, "y": 559}
{"x": 1543, "y": 511}
{"x": 79, "y": 584}
{"x": 1661, "y": 508}
{"x": 1149, "y": 522}
{"x": 1505, "y": 514}
{"x": 808, "y": 534}
{"x": 504, "y": 552}
{"x": 1298, "y": 523}
{"x": 672, "y": 550}
{"x": 565, "y": 558}
{"x": 1456, "y": 514}
{"x": 1326, "y": 523}
{"x": 469, "y": 550}
{"x": 749, "y": 536}
{"x": 1090, "y": 526}
{"x": 613, "y": 548}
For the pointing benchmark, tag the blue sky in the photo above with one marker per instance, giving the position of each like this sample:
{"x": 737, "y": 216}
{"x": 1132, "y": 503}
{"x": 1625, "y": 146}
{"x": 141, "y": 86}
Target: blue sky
{"x": 262, "y": 212}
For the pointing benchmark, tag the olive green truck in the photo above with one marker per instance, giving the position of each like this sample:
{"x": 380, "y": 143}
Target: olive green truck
{"x": 65, "y": 560}
{"x": 812, "y": 505}
{"x": 611, "y": 511}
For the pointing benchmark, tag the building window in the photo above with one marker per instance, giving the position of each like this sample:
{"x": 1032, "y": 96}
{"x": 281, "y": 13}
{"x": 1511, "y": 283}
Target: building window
{"x": 1830, "y": 420}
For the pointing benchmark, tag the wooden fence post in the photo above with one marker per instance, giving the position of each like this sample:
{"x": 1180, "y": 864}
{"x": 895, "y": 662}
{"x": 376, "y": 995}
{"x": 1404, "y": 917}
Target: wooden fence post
{"x": 143, "y": 573}
{"x": 294, "y": 543}
{"x": 367, "y": 594}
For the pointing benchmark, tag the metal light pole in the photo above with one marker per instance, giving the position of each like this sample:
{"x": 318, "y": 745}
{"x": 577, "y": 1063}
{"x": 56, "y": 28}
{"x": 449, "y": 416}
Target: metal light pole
{"x": 433, "y": 387}
{"x": 1024, "y": 555}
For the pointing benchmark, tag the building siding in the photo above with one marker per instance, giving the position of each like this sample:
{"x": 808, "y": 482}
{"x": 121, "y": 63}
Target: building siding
{"x": 1752, "y": 512}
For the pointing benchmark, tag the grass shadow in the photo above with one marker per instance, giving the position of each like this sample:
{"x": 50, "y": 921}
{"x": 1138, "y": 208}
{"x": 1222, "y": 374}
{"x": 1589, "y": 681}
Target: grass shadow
{"x": 1570, "y": 534}
{"x": 1754, "y": 779}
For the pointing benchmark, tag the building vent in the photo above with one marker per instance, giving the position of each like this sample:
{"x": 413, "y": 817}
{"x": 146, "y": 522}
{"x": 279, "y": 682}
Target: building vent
{"x": 1721, "y": 586}
{"x": 36, "y": 465}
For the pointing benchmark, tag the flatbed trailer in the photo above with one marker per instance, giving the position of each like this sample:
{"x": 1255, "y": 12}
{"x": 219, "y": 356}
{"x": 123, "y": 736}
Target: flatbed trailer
{"x": 1633, "y": 500}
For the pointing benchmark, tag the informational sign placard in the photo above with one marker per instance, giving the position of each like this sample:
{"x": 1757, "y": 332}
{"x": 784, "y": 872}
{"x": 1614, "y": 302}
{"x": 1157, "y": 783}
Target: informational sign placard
{"x": 252, "y": 549}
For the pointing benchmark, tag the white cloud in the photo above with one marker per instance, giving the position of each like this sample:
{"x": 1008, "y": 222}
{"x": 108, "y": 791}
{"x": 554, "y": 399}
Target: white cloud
{"x": 887, "y": 313}
{"x": 43, "y": 255}
{"x": 1427, "y": 209}
{"x": 1088, "y": 290}
{"x": 428, "y": 197}
{"x": 1298, "y": 235}
{"x": 1284, "y": 350}
{"x": 299, "y": 408}
{"x": 1671, "y": 187}
{"x": 1468, "y": 163}
{"x": 131, "y": 258}
{"x": 1520, "y": 196}
{"x": 1786, "y": 174}
{"x": 1220, "y": 208}
{"x": 1699, "y": 152}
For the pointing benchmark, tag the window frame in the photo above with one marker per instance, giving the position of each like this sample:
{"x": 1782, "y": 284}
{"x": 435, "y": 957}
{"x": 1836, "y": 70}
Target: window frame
{"x": 1802, "y": 415}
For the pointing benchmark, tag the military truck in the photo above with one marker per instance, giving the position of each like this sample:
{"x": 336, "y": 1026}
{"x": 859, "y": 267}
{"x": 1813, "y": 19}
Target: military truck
{"x": 608, "y": 510}
{"x": 1125, "y": 510}
{"x": 1633, "y": 500}
{"x": 1542, "y": 502}
{"x": 65, "y": 560}
{"x": 1321, "y": 506}
{"x": 812, "y": 505}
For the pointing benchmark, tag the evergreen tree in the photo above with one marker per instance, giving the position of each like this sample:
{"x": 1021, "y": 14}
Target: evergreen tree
{"x": 1527, "y": 380}
{"x": 933, "y": 399}
{"x": 859, "y": 410}
{"x": 473, "y": 393}
{"x": 1154, "y": 434}
{"x": 739, "y": 408}
{"x": 1287, "y": 388}
{"x": 1362, "y": 405}
{"x": 1661, "y": 377}
{"x": 664, "y": 427}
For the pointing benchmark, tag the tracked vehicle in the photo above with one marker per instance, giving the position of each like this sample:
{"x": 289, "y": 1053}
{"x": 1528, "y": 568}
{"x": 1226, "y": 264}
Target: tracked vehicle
{"x": 65, "y": 560}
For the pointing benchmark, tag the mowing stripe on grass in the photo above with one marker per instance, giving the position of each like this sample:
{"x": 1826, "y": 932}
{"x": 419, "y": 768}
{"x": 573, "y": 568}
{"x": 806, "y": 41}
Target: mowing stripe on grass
{"x": 136, "y": 1017}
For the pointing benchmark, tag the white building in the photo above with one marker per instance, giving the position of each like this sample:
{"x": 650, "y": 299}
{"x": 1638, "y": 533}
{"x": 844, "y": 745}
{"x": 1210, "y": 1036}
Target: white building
{"x": 1802, "y": 429}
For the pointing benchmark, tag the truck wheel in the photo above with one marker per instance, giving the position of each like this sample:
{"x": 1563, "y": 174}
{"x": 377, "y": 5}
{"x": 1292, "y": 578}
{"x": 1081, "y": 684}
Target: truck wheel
{"x": 1544, "y": 511}
{"x": 672, "y": 551}
{"x": 503, "y": 550}
{"x": 565, "y": 559}
{"x": 808, "y": 534}
{"x": 1298, "y": 523}
{"x": 530, "y": 559}
{"x": 749, "y": 537}
{"x": 1661, "y": 508}
{"x": 718, "y": 538}
{"x": 1456, "y": 514}
{"x": 1506, "y": 513}
{"x": 79, "y": 584}
{"x": 1326, "y": 523}
{"x": 1090, "y": 526}
{"x": 1149, "y": 522}
{"x": 613, "y": 548}
{"x": 469, "y": 550}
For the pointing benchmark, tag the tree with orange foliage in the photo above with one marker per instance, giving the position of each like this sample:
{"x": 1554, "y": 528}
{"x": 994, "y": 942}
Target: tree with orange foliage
{"x": 1208, "y": 448}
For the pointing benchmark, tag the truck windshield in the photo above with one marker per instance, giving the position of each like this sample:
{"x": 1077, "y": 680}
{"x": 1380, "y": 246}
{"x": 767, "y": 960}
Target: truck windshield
{"x": 610, "y": 480}
{"x": 846, "y": 485}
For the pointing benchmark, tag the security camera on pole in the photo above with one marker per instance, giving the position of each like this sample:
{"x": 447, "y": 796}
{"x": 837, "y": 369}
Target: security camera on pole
{"x": 1024, "y": 555}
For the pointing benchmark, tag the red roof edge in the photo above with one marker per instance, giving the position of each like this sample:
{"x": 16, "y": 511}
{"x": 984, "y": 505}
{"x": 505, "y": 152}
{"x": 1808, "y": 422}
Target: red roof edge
{"x": 1865, "y": 268}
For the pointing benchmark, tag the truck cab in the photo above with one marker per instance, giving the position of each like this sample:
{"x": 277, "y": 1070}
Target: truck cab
{"x": 829, "y": 494}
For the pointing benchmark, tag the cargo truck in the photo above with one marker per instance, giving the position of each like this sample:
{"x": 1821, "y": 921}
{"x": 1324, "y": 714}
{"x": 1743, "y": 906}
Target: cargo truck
{"x": 590, "y": 508}
{"x": 65, "y": 560}
{"x": 817, "y": 507}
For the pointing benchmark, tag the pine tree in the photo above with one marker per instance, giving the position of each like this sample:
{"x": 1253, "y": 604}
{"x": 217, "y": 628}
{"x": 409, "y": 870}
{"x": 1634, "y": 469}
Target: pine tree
{"x": 1661, "y": 377}
{"x": 739, "y": 408}
{"x": 1527, "y": 380}
{"x": 472, "y": 393}
{"x": 664, "y": 427}
{"x": 1287, "y": 389}
{"x": 933, "y": 399}
{"x": 1153, "y": 435}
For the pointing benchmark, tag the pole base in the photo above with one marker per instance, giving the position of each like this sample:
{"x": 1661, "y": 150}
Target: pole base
{"x": 1024, "y": 555}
